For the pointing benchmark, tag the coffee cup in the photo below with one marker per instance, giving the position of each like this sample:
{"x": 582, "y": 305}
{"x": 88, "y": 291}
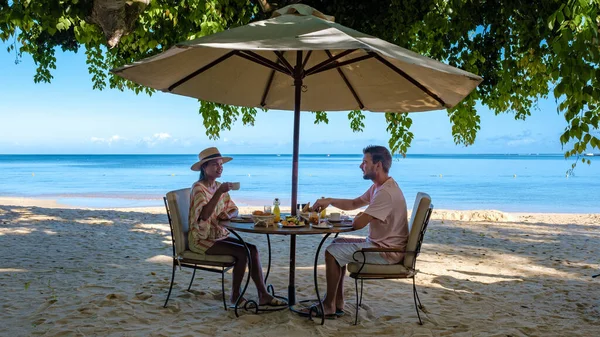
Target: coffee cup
{"x": 334, "y": 216}
{"x": 235, "y": 186}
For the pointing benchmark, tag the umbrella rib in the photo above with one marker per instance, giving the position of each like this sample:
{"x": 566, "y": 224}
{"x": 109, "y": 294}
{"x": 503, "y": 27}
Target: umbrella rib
{"x": 328, "y": 62}
{"x": 201, "y": 70}
{"x": 285, "y": 62}
{"x": 267, "y": 88}
{"x": 360, "y": 104}
{"x": 306, "y": 59}
{"x": 341, "y": 64}
{"x": 410, "y": 79}
{"x": 254, "y": 57}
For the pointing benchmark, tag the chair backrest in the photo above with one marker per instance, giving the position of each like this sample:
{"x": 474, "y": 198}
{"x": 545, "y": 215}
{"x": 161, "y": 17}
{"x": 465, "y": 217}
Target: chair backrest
{"x": 416, "y": 227}
{"x": 178, "y": 209}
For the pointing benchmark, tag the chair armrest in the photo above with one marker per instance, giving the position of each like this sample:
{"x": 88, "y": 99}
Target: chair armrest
{"x": 381, "y": 250}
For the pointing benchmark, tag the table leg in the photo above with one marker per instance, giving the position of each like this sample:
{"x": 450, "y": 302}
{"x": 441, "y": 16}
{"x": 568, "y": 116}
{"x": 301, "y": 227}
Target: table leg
{"x": 320, "y": 303}
{"x": 269, "y": 264}
{"x": 292, "y": 280}
{"x": 251, "y": 302}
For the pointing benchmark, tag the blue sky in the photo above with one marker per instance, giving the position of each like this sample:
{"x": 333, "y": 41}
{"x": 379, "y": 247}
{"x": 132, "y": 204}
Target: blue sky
{"x": 68, "y": 116}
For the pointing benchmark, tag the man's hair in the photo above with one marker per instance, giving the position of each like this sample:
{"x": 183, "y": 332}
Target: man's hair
{"x": 380, "y": 154}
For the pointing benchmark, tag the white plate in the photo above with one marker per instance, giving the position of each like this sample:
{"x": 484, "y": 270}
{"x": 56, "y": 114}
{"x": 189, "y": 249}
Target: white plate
{"x": 291, "y": 226}
{"x": 322, "y": 227}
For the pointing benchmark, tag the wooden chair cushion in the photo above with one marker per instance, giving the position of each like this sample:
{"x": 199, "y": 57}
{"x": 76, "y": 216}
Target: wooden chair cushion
{"x": 190, "y": 257}
{"x": 384, "y": 269}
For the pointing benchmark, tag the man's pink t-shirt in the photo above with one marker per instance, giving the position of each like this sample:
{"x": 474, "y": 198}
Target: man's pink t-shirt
{"x": 389, "y": 228}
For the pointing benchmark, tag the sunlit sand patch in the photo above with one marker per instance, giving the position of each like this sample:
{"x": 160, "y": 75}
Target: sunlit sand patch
{"x": 162, "y": 259}
{"x": 38, "y": 217}
{"x": 13, "y": 270}
{"x": 17, "y": 231}
{"x": 49, "y": 232}
{"x": 150, "y": 228}
{"x": 162, "y": 227}
{"x": 96, "y": 221}
{"x": 489, "y": 215}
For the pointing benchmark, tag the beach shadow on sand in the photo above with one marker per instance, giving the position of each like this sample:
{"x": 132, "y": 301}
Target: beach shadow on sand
{"x": 107, "y": 272}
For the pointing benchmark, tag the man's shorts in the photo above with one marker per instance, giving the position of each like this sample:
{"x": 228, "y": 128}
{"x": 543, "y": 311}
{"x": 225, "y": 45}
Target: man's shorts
{"x": 342, "y": 249}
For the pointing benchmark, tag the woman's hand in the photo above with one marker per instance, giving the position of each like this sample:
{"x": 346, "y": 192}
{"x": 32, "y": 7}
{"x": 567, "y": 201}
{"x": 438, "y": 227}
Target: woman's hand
{"x": 225, "y": 187}
{"x": 224, "y": 216}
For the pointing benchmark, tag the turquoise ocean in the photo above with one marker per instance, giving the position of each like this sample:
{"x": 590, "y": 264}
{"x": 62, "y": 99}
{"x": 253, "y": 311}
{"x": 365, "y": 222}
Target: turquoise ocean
{"x": 511, "y": 183}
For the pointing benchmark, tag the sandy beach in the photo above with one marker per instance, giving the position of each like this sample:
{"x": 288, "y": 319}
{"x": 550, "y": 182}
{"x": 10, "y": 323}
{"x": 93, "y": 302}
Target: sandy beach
{"x": 105, "y": 272}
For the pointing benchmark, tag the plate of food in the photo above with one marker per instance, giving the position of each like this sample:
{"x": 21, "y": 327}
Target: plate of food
{"x": 291, "y": 222}
{"x": 342, "y": 223}
{"x": 322, "y": 225}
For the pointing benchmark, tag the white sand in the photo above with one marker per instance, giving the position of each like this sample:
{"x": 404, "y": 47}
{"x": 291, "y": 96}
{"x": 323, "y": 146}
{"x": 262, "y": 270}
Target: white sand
{"x": 96, "y": 272}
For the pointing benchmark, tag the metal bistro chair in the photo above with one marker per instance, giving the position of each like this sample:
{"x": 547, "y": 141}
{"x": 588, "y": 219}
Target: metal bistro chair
{"x": 177, "y": 204}
{"x": 406, "y": 268}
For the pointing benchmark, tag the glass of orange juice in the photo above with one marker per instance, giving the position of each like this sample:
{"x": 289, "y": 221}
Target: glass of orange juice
{"x": 314, "y": 218}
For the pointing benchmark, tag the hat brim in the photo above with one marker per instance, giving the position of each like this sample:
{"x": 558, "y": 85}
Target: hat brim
{"x": 197, "y": 165}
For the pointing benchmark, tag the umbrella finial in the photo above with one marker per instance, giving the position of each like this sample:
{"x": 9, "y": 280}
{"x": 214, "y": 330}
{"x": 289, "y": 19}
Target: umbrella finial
{"x": 304, "y": 10}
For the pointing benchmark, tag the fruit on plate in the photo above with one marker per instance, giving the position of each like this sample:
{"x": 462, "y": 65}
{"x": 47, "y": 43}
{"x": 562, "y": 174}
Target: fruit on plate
{"x": 306, "y": 208}
{"x": 260, "y": 213}
{"x": 290, "y": 221}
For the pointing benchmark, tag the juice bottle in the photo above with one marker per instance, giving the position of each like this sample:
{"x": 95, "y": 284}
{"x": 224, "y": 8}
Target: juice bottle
{"x": 323, "y": 212}
{"x": 276, "y": 211}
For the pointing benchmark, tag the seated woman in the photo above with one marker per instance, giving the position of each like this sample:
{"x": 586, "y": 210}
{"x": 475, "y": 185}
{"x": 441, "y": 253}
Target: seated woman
{"x": 209, "y": 203}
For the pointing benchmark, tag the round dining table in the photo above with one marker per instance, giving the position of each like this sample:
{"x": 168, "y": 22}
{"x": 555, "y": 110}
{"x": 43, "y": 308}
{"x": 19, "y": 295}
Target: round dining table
{"x": 247, "y": 226}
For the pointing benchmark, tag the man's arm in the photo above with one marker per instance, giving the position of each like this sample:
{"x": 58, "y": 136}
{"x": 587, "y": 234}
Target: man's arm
{"x": 343, "y": 204}
{"x": 361, "y": 220}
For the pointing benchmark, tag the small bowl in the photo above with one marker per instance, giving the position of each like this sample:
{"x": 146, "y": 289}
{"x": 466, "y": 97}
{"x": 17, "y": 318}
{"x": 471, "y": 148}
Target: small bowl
{"x": 263, "y": 220}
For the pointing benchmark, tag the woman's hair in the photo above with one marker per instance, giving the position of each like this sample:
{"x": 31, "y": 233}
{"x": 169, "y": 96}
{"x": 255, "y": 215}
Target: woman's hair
{"x": 380, "y": 154}
{"x": 202, "y": 174}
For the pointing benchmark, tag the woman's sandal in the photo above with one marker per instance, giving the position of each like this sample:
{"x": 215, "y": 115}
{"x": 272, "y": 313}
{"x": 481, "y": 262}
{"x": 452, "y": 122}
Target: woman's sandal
{"x": 275, "y": 302}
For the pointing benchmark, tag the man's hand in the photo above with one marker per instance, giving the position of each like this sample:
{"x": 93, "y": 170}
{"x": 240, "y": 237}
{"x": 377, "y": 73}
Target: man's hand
{"x": 225, "y": 187}
{"x": 320, "y": 204}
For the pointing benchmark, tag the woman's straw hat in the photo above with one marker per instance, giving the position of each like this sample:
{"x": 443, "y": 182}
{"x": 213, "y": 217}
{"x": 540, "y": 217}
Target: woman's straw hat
{"x": 210, "y": 153}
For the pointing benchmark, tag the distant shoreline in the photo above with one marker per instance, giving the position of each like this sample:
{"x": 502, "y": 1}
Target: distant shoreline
{"x": 246, "y": 206}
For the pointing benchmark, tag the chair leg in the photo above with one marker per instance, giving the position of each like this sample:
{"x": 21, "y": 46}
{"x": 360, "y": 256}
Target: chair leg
{"x": 357, "y": 303}
{"x": 361, "y": 292}
{"x": 223, "y": 288}
{"x": 415, "y": 298}
{"x": 171, "y": 287}
{"x": 193, "y": 275}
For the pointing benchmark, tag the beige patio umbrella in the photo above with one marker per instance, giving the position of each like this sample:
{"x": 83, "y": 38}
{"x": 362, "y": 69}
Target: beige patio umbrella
{"x": 300, "y": 59}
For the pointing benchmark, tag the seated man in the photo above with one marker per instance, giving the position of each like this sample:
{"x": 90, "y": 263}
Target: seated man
{"x": 387, "y": 216}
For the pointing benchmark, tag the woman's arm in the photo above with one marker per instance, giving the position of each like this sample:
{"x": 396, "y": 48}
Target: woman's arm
{"x": 209, "y": 208}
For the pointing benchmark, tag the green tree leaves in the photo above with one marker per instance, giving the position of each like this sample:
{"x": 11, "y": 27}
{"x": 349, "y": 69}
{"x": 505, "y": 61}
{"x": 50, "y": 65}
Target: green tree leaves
{"x": 523, "y": 50}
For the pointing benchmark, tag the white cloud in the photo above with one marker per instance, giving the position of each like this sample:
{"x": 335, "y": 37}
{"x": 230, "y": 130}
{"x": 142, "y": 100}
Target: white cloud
{"x": 156, "y": 139}
{"x": 109, "y": 141}
{"x": 161, "y": 136}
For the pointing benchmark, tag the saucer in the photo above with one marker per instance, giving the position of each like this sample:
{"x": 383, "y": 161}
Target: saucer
{"x": 338, "y": 220}
{"x": 321, "y": 226}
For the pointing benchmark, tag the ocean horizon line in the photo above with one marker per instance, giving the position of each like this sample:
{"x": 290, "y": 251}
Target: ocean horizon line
{"x": 286, "y": 154}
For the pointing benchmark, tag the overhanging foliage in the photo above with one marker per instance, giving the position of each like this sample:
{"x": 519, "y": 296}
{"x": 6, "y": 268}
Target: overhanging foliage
{"x": 524, "y": 50}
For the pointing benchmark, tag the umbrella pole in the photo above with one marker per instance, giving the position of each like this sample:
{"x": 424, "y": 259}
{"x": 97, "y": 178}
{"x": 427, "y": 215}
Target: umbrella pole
{"x": 297, "y": 97}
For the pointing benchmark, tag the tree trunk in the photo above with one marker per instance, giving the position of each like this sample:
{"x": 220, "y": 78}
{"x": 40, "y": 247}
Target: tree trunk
{"x": 117, "y": 17}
